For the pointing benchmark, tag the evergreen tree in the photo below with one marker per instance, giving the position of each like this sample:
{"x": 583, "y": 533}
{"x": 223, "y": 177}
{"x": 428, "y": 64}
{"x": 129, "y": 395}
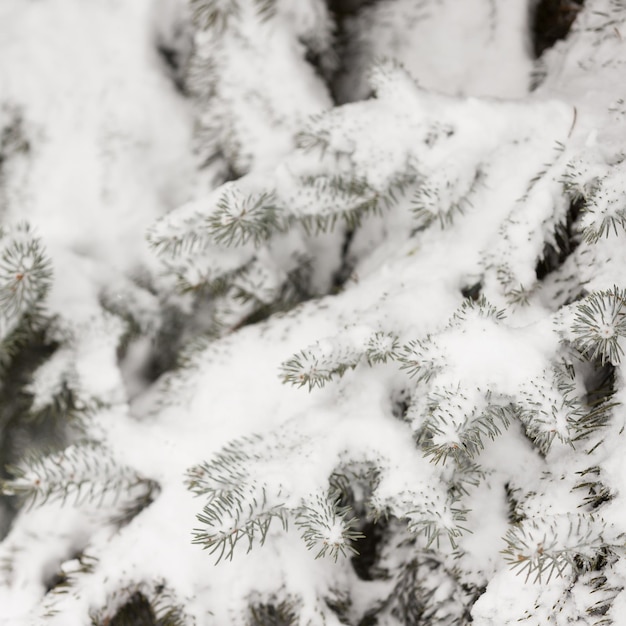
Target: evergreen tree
{"x": 377, "y": 371}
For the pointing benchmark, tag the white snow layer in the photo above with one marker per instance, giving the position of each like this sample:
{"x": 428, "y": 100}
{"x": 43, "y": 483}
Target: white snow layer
{"x": 111, "y": 154}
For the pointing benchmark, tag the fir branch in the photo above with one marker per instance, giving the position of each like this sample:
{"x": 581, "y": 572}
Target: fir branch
{"x": 240, "y": 218}
{"x": 346, "y": 198}
{"x": 551, "y": 408}
{"x": 425, "y": 592}
{"x": 434, "y": 518}
{"x": 606, "y": 224}
{"x": 427, "y": 510}
{"x": 266, "y": 9}
{"x": 598, "y": 492}
{"x": 310, "y": 367}
{"x": 54, "y": 391}
{"x": 25, "y": 272}
{"x": 81, "y": 473}
{"x": 421, "y": 359}
{"x": 258, "y": 282}
{"x": 337, "y": 198}
{"x": 601, "y": 197}
{"x": 169, "y": 608}
{"x": 314, "y": 138}
{"x": 206, "y": 275}
{"x": 234, "y": 218}
{"x": 441, "y": 198}
{"x": 605, "y": 211}
{"x": 599, "y": 324}
{"x": 463, "y": 475}
{"x": 604, "y": 595}
{"x": 214, "y": 14}
{"x": 273, "y": 613}
{"x": 320, "y": 363}
{"x": 217, "y": 14}
{"x": 201, "y": 80}
{"x": 14, "y": 139}
{"x": 225, "y": 473}
{"x": 129, "y": 510}
{"x": 559, "y": 149}
{"x": 237, "y": 507}
{"x": 352, "y": 485}
{"x": 594, "y": 418}
{"x": 556, "y": 546}
{"x": 514, "y": 498}
{"x": 327, "y": 528}
{"x": 578, "y": 181}
{"x": 229, "y": 520}
{"x": 70, "y": 572}
{"x": 67, "y": 580}
{"x": 181, "y": 233}
{"x": 381, "y": 347}
{"x": 452, "y": 430}
{"x": 145, "y": 603}
{"x": 479, "y": 308}
{"x": 387, "y": 75}
{"x": 64, "y": 407}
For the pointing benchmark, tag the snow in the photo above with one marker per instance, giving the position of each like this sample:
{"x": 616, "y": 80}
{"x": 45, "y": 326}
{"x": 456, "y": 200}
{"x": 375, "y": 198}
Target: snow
{"x": 484, "y": 51}
{"x": 112, "y": 158}
{"x": 104, "y": 166}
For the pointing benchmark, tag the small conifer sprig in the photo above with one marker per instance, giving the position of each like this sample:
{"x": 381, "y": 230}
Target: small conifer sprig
{"x": 25, "y": 279}
{"x": 442, "y": 196}
{"x": 243, "y": 501}
{"x": 56, "y": 393}
{"x": 246, "y": 511}
{"x": 417, "y": 598}
{"x": 603, "y": 594}
{"x": 328, "y": 527}
{"x": 142, "y": 602}
{"x": 433, "y": 526}
{"x": 241, "y": 505}
{"x": 314, "y": 136}
{"x": 429, "y": 512}
{"x": 329, "y": 358}
{"x": 557, "y": 545}
{"x": 216, "y": 14}
{"x": 272, "y": 611}
{"x": 228, "y": 520}
{"x": 333, "y": 197}
{"x": 516, "y": 292}
{"x": 550, "y": 407}
{"x": 233, "y": 217}
{"x": 421, "y": 358}
{"x": 600, "y": 325}
{"x": 477, "y": 309}
{"x": 224, "y": 475}
{"x": 81, "y": 473}
{"x": 328, "y": 199}
{"x": 238, "y": 506}
{"x": 213, "y": 13}
{"x": 248, "y": 241}
{"x": 69, "y": 577}
{"x": 459, "y": 421}
{"x": 598, "y": 492}
{"x": 25, "y": 271}
{"x": 606, "y": 214}
{"x": 240, "y": 218}
{"x": 602, "y": 197}
{"x": 454, "y": 418}
{"x": 181, "y": 234}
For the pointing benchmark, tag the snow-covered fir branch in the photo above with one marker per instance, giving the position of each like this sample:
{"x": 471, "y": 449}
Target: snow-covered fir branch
{"x": 207, "y": 205}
